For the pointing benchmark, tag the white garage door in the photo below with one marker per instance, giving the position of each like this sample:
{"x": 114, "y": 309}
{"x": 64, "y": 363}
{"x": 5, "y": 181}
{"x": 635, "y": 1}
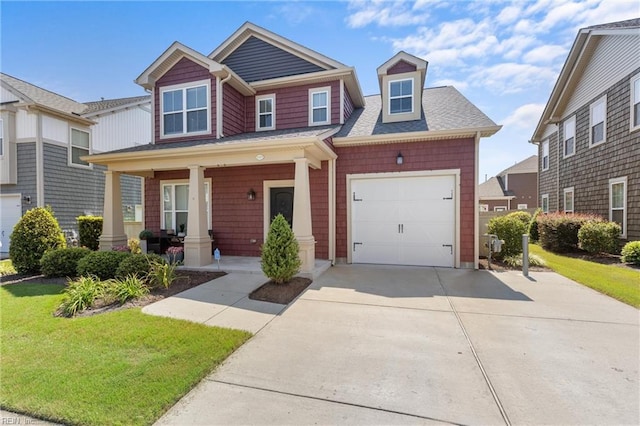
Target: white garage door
{"x": 10, "y": 212}
{"x": 403, "y": 221}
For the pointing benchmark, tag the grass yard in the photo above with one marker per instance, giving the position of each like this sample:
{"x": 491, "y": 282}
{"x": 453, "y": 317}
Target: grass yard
{"x": 620, "y": 283}
{"x": 123, "y": 367}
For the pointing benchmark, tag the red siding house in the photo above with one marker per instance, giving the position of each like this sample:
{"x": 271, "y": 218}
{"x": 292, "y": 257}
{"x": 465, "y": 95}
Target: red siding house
{"x": 263, "y": 125}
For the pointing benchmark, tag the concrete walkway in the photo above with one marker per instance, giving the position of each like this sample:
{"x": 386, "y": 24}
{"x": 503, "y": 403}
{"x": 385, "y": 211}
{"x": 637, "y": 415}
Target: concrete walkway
{"x": 384, "y": 345}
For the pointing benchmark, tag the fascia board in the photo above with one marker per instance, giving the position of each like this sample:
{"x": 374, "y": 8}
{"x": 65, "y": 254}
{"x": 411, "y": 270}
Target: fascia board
{"x": 58, "y": 113}
{"x": 118, "y": 108}
{"x": 415, "y": 136}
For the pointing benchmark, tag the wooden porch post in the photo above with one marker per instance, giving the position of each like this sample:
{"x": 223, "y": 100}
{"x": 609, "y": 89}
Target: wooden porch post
{"x": 113, "y": 221}
{"x": 197, "y": 243}
{"x": 302, "y": 216}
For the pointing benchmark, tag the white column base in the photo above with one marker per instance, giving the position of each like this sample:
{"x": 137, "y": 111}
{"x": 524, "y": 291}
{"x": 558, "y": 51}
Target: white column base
{"x": 307, "y": 253}
{"x": 197, "y": 251}
{"x": 108, "y": 242}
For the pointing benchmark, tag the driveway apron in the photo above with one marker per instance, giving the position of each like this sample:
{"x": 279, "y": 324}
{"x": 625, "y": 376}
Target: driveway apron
{"x": 401, "y": 345}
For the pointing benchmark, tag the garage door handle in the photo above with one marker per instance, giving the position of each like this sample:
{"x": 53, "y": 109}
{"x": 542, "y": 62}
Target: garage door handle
{"x": 449, "y": 198}
{"x": 450, "y": 246}
{"x": 356, "y": 244}
{"x": 401, "y": 228}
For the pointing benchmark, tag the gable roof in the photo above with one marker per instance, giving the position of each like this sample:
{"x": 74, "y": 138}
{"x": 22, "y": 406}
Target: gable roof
{"x": 105, "y": 105}
{"x": 528, "y": 165}
{"x": 492, "y": 189}
{"x": 444, "y": 111}
{"x": 30, "y": 93}
{"x": 402, "y": 56}
{"x": 249, "y": 29}
{"x": 579, "y": 55}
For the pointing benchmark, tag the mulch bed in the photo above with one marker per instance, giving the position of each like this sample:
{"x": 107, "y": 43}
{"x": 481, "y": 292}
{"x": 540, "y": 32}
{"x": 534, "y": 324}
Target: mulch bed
{"x": 498, "y": 266}
{"x": 280, "y": 293}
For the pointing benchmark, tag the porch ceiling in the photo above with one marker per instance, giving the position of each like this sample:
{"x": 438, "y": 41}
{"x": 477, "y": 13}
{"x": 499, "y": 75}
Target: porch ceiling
{"x": 223, "y": 154}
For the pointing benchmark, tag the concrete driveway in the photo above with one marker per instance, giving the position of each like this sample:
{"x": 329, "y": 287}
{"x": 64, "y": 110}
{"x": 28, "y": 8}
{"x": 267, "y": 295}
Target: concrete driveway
{"x": 391, "y": 345}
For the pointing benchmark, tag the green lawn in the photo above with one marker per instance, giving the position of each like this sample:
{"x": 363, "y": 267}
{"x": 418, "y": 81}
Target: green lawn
{"x": 123, "y": 367}
{"x": 620, "y": 283}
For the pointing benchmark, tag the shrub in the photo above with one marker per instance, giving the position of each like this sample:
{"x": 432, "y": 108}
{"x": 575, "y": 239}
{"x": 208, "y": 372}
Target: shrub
{"x": 6, "y": 268}
{"x": 516, "y": 261}
{"x": 90, "y": 229}
{"x": 145, "y": 234}
{"x": 510, "y": 229}
{"x": 62, "y": 262}
{"x": 35, "y": 233}
{"x": 102, "y": 264}
{"x": 279, "y": 259}
{"x": 534, "y": 236}
{"x": 134, "y": 246}
{"x": 559, "y": 232}
{"x": 521, "y": 215}
{"x": 129, "y": 287}
{"x": 137, "y": 264}
{"x": 631, "y": 253}
{"x": 162, "y": 274}
{"x": 80, "y": 295}
{"x": 599, "y": 237}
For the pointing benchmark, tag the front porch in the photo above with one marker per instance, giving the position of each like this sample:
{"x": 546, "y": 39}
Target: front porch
{"x": 251, "y": 265}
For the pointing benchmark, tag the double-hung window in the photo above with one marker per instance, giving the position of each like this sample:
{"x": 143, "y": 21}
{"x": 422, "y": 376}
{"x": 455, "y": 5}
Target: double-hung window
{"x": 618, "y": 203}
{"x": 401, "y": 96}
{"x": 598, "y": 121}
{"x": 266, "y": 112}
{"x": 175, "y": 205}
{"x": 185, "y": 109}
{"x": 568, "y": 200}
{"x": 635, "y": 103}
{"x": 545, "y": 203}
{"x": 545, "y": 155}
{"x": 80, "y": 146}
{"x": 570, "y": 137}
{"x": 319, "y": 106}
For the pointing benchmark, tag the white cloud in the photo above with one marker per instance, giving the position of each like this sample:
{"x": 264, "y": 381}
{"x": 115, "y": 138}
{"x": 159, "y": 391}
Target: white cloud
{"x": 458, "y": 84}
{"x": 524, "y": 117}
{"x": 513, "y": 77}
{"x": 512, "y": 47}
{"x": 544, "y": 54}
{"x": 386, "y": 13}
{"x": 508, "y": 15}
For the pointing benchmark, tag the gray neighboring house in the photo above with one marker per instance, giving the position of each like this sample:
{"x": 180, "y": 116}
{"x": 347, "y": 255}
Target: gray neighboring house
{"x": 515, "y": 188}
{"x": 43, "y": 136}
{"x": 589, "y": 134}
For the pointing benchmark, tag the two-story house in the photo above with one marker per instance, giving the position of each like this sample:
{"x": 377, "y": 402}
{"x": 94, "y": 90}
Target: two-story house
{"x": 589, "y": 134}
{"x": 263, "y": 125}
{"x": 515, "y": 188}
{"x": 43, "y": 137}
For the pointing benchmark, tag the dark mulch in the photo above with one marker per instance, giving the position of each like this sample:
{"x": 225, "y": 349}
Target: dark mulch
{"x": 605, "y": 259}
{"x": 184, "y": 281}
{"x": 280, "y": 293}
{"x": 499, "y": 266}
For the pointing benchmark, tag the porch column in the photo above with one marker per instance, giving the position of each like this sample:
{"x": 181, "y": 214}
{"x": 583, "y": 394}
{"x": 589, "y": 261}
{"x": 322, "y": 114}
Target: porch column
{"x": 197, "y": 243}
{"x": 112, "y": 220}
{"x": 302, "y": 216}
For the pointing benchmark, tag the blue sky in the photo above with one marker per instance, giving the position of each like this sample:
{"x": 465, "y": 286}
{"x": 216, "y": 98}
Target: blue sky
{"x": 503, "y": 56}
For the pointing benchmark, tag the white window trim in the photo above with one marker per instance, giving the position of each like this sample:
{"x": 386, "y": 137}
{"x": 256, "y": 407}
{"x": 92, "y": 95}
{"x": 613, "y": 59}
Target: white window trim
{"x": 633, "y": 93}
{"x": 612, "y": 182}
{"x": 184, "y": 87}
{"x": 1, "y": 138}
{"x": 500, "y": 208}
{"x": 545, "y": 144}
{"x": 523, "y": 206}
{"x": 70, "y": 150}
{"x": 399, "y": 97}
{"x": 183, "y": 182}
{"x": 566, "y": 191}
{"x": 484, "y": 207}
{"x": 542, "y": 203}
{"x": 259, "y": 98}
{"x": 564, "y": 137}
{"x": 313, "y": 91}
{"x": 603, "y": 99}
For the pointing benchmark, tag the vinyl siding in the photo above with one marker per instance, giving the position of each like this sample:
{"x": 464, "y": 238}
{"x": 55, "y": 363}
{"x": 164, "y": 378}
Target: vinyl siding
{"x": 121, "y": 129}
{"x": 26, "y": 175}
{"x": 233, "y": 111}
{"x": 25, "y": 125}
{"x": 401, "y": 67}
{"x": 57, "y": 130}
{"x": 131, "y": 187}
{"x": 256, "y": 60}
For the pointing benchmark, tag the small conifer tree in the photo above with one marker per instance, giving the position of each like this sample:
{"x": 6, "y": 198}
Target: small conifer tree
{"x": 280, "y": 260}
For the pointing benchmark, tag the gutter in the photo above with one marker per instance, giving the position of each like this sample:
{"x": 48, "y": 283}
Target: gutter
{"x": 414, "y": 136}
{"x": 219, "y": 107}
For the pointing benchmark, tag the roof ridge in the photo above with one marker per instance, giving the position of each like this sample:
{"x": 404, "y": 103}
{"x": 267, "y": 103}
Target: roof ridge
{"x": 40, "y": 88}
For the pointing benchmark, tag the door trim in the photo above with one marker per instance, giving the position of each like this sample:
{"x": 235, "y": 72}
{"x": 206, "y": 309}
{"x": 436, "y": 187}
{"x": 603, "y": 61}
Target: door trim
{"x": 391, "y": 175}
{"x": 266, "y": 196}
{"x": 18, "y": 200}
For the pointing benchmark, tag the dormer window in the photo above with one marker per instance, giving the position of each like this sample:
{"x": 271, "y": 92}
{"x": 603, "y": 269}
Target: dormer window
{"x": 266, "y": 112}
{"x": 185, "y": 109}
{"x": 319, "y": 106}
{"x": 401, "y": 96}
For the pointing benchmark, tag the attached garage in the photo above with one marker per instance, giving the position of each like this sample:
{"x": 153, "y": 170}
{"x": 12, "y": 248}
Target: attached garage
{"x": 10, "y": 213}
{"x": 404, "y": 218}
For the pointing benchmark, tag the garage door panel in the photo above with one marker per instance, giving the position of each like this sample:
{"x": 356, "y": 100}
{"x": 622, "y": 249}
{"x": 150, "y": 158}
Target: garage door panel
{"x": 404, "y": 220}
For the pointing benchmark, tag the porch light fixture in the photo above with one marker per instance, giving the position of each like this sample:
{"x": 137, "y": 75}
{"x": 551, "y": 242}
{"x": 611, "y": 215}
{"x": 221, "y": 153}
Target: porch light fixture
{"x": 399, "y": 159}
{"x": 251, "y": 195}
{"x": 27, "y": 199}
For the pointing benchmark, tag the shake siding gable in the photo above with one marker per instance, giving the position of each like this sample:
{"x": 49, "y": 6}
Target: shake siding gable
{"x": 184, "y": 71}
{"x": 233, "y": 111}
{"x": 400, "y": 67}
{"x": 348, "y": 105}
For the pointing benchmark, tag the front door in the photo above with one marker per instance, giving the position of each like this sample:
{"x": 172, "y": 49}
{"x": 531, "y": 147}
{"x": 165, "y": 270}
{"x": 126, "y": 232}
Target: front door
{"x": 281, "y": 201}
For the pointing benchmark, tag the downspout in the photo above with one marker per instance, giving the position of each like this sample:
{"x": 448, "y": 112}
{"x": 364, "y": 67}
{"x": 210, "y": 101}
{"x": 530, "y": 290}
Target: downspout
{"x": 39, "y": 162}
{"x": 558, "y": 167}
{"x": 219, "y": 110}
{"x": 476, "y": 205}
{"x": 332, "y": 210}
{"x": 342, "y": 101}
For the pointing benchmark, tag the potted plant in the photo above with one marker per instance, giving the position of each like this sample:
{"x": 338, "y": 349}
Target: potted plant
{"x": 181, "y": 233}
{"x": 175, "y": 254}
{"x": 144, "y": 235}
